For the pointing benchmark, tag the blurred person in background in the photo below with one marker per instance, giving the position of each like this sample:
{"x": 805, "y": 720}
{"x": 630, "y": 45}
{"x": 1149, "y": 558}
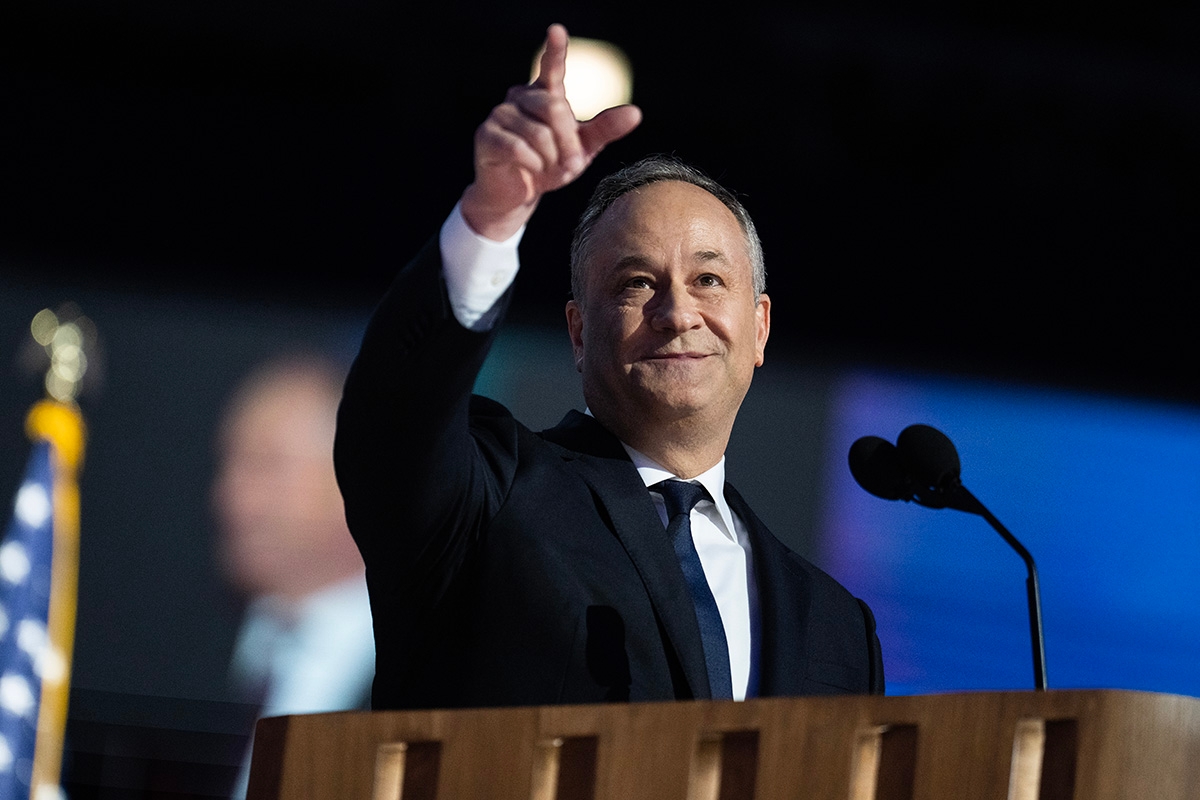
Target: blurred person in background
{"x": 305, "y": 643}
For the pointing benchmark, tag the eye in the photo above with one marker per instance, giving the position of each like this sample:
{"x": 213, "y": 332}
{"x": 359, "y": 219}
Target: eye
{"x": 709, "y": 280}
{"x": 638, "y": 282}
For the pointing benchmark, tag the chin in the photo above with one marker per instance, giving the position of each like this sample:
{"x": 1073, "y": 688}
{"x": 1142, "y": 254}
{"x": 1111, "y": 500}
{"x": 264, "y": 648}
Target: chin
{"x": 671, "y": 405}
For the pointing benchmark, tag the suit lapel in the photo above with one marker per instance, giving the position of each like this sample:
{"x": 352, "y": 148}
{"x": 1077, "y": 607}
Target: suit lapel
{"x": 606, "y": 468}
{"x": 783, "y": 602}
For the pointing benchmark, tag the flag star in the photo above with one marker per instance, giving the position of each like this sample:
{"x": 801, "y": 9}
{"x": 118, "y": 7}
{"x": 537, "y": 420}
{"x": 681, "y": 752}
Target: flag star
{"x": 31, "y": 637}
{"x": 16, "y": 696}
{"x": 28, "y": 657}
{"x": 33, "y": 505}
{"x": 14, "y": 562}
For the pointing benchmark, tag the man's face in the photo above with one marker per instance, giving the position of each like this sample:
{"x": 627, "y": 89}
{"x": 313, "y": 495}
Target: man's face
{"x": 669, "y": 326}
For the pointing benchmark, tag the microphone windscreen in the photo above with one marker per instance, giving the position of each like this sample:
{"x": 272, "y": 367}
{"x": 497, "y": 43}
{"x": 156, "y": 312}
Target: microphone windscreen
{"x": 929, "y": 456}
{"x": 875, "y": 464}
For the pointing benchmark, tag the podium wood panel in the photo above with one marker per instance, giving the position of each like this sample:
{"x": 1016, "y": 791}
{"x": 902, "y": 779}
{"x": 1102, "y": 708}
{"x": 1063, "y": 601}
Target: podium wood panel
{"x": 1055, "y": 745}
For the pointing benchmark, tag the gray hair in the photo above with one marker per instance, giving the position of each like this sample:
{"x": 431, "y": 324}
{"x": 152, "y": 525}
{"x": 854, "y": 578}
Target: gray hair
{"x": 653, "y": 169}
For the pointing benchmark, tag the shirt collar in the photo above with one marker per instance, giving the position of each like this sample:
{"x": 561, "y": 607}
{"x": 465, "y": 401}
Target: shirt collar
{"x": 713, "y": 480}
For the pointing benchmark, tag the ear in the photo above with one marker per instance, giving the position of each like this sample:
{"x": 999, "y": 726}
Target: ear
{"x": 762, "y": 320}
{"x": 575, "y": 330}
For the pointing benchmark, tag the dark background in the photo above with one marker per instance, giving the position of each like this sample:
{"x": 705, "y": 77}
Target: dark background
{"x": 1004, "y": 187}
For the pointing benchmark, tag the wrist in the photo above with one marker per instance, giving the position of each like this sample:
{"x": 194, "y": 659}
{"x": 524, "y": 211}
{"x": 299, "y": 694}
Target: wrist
{"x": 491, "y": 220}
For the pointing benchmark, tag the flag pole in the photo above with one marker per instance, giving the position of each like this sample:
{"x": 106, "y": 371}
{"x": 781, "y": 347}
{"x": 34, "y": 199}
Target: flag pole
{"x": 61, "y": 424}
{"x": 55, "y": 427}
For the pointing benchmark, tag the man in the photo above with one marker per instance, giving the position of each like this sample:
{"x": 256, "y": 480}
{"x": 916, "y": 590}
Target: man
{"x": 305, "y": 642}
{"x": 508, "y": 567}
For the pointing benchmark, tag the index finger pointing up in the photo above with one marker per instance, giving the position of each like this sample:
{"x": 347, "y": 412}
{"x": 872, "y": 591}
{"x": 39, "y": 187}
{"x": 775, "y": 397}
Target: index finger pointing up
{"x": 553, "y": 67}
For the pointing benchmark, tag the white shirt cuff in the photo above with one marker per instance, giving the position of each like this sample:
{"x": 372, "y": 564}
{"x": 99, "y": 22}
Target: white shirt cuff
{"x": 476, "y": 269}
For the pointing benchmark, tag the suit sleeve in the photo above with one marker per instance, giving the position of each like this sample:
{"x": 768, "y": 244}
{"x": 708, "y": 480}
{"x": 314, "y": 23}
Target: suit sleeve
{"x": 419, "y": 479}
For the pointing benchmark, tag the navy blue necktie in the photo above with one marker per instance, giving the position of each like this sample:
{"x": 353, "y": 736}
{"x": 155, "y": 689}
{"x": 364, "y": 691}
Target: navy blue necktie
{"x": 681, "y": 497}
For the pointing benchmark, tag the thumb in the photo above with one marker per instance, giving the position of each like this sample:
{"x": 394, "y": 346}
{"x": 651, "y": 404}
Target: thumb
{"x": 608, "y": 126}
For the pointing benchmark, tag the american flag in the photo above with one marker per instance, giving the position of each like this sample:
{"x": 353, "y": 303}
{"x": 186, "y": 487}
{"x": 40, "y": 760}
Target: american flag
{"x": 25, "y": 654}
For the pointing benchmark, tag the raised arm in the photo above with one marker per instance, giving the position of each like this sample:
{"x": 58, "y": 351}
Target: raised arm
{"x": 407, "y": 462}
{"x": 532, "y": 144}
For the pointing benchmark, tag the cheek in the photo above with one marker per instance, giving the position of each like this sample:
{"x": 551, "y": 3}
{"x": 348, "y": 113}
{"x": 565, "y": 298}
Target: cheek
{"x": 610, "y": 331}
{"x": 613, "y": 332}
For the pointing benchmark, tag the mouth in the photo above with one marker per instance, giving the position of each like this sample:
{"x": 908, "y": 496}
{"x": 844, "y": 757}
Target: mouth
{"x": 680, "y": 357}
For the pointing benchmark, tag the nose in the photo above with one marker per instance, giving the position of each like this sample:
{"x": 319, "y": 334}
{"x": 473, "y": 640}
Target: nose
{"x": 674, "y": 309}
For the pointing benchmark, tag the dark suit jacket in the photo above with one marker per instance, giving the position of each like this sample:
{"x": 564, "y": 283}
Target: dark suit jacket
{"x": 508, "y": 567}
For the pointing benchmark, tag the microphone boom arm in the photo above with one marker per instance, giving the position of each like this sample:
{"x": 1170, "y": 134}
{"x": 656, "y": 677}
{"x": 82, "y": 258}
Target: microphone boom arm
{"x": 962, "y": 500}
{"x": 923, "y": 467}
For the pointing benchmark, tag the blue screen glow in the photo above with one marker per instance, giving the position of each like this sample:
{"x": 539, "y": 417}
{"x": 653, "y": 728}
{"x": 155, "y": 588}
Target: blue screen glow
{"x": 1105, "y": 494}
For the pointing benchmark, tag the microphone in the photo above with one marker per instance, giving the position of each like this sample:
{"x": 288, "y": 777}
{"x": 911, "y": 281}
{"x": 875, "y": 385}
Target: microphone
{"x": 923, "y": 467}
{"x": 875, "y": 464}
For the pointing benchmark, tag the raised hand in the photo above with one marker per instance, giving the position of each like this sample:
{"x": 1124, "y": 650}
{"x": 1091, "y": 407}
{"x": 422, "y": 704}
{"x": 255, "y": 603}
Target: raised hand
{"x": 532, "y": 144}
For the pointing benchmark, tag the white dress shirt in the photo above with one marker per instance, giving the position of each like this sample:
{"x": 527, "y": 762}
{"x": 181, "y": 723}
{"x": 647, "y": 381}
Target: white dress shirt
{"x": 477, "y": 272}
{"x": 476, "y": 269}
{"x": 724, "y": 549}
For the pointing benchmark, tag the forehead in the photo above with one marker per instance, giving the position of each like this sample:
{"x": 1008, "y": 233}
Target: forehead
{"x": 670, "y": 215}
{"x": 295, "y": 409}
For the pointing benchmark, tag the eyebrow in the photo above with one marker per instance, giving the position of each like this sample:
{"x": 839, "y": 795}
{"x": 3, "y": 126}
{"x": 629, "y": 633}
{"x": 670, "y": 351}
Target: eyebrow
{"x": 632, "y": 262}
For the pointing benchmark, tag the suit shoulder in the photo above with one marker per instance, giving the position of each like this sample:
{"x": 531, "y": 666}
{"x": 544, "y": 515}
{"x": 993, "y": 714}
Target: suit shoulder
{"x": 487, "y": 408}
{"x": 798, "y": 562}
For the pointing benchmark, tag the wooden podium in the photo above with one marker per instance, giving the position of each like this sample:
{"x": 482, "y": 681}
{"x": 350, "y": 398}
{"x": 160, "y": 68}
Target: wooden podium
{"x": 1055, "y": 745}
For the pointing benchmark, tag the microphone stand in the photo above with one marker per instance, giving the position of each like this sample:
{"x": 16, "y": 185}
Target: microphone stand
{"x": 961, "y": 499}
{"x": 923, "y": 466}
